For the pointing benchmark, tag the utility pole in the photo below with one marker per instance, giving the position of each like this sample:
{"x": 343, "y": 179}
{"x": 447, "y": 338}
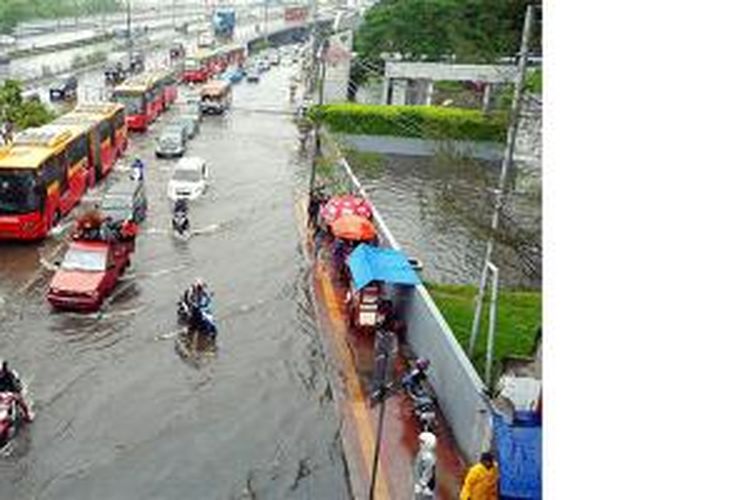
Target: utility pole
{"x": 265, "y": 20}
{"x": 317, "y": 53}
{"x": 130, "y": 39}
{"x": 386, "y": 350}
{"x": 506, "y": 174}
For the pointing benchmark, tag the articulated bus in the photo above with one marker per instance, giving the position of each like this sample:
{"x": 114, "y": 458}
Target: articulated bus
{"x": 197, "y": 67}
{"x": 166, "y": 85}
{"x": 235, "y": 54}
{"x": 43, "y": 175}
{"x": 145, "y": 96}
{"x": 103, "y": 151}
{"x": 114, "y": 115}
{"x": 205, "y": 63}
{"x": 141, "y": 99}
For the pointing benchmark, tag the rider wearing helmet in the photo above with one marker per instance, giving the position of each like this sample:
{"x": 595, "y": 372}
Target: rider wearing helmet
{"x": 9, "y": 382}
{"x": 198, "y": 299}
{"x": 136, "y": 172}
{"x": 181, "y": 206}
{"x": 418, "y": 375}
{"x": 199, "y": 295}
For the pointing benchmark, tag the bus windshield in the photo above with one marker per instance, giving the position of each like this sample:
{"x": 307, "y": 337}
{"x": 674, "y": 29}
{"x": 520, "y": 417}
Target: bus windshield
{"x": 18, "y": 192}
{"x": 192, "y": 64}
{"x": 133, "y": 103}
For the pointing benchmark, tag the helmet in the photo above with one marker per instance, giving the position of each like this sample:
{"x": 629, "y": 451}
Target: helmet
{"x": 427, "y": 441}
{"x": 422, "y": 363}
{"x": 199, "y": 284}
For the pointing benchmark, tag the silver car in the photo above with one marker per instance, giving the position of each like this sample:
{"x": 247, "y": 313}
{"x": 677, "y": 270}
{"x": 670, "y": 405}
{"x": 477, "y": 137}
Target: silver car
{"x": 171, "y": 142}
{"x": 190, "y": 123}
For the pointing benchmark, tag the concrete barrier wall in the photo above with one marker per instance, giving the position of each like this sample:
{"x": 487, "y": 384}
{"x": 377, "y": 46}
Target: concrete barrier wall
{"x": 459, "y": 389}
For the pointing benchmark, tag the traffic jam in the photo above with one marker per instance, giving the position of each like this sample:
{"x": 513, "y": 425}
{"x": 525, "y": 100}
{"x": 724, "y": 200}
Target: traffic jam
{"x": 47, "y": 174}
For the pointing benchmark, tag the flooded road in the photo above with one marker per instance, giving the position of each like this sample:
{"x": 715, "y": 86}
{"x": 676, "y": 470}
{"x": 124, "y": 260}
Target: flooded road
{"x": 119, "y": 413}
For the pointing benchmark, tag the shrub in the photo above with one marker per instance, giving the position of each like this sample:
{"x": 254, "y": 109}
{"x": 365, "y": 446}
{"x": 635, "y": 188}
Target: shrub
{"x": 31, "y": 114}
{"x": 426, "y": 122}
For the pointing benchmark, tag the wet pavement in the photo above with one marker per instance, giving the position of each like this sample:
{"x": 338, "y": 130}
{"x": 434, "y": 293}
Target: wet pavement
{"x": 352, "y": 354}
{"x": 119, "y": 413}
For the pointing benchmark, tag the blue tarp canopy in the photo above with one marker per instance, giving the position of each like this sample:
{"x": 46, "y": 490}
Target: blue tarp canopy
{"x": 519, "y": 452}
{"x": 368, "y": 263}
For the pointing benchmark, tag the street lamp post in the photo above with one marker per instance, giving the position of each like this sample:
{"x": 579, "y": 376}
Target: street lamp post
{"x": 130, "y": 39}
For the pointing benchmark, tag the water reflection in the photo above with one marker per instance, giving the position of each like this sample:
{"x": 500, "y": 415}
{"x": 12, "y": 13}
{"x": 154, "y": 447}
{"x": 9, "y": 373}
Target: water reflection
{"x": 440, "y": 209}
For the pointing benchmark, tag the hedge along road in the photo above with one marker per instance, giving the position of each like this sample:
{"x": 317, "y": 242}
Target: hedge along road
{"x": 119, "y": 413}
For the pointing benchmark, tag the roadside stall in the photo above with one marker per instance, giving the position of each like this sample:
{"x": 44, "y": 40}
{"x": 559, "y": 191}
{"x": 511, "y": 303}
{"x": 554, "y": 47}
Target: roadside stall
{"x": 349, "y": 231}
{"x": 371, "y": 268}
{"x": 348, "y": 204}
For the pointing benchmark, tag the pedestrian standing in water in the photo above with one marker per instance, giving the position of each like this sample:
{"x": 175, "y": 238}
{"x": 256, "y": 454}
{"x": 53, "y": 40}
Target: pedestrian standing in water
{"x": 481, "y": 480}
{"x": 424, "y": 467}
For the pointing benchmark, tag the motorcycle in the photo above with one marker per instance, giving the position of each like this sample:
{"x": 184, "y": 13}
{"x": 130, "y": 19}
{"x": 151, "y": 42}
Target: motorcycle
{"x": 181, "y": 224}
{"x": 183, "y": 312}
{"x": 11, "y": 415}
{"x": 196, "y": 319}
{"x": 423, "y": 405}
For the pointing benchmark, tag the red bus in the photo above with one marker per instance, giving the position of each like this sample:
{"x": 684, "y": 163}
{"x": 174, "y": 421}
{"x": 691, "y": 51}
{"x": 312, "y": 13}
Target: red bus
{"x": 197, "y": 67}
{"x": 166, "y": 86}
{"x": 205, "y": 64}
{"x": 114, "y": 114}
{"x": 101, "y": 153}
{"x": 43, "y": 175}
{"x": 142, "y": 101}
{"x": 235, "y": 55}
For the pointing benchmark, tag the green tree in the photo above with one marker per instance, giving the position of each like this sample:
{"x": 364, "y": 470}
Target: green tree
{"x": 13, "y": 12}
{"x": 21, "y": 114}
{"x": 468, "y": 31}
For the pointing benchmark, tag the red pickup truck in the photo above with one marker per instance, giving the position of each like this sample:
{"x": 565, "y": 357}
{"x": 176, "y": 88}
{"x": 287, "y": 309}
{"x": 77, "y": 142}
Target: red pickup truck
{"x": 92, "y": 265}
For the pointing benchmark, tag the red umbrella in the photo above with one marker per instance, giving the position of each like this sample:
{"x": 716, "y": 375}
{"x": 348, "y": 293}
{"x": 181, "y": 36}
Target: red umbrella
{"x": 347, "y": 204}
{"x": 353, "y": 227}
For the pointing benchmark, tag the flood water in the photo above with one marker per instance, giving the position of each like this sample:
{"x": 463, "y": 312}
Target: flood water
{"x": 439, "y": 209}
{"x": 119, "y": 413}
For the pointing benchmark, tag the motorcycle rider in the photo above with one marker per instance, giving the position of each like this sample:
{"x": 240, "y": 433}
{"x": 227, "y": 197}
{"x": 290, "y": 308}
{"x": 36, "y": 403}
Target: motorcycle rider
{"x": 414, "y": 379}
{"x": 179, "y": 219}
{"x": 198, "y": 295}
{"x": 181, "y": 206}
{"x": 198, "y": 300}
{"x": 9, "y": 382}
{"x": 136, "y": 169}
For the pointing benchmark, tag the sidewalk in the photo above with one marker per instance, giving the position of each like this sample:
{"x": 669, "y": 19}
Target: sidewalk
{"x": 351, "y": 355}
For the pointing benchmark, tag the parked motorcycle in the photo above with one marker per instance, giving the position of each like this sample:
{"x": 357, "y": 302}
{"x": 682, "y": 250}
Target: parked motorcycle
{"x": 424, "y": 408}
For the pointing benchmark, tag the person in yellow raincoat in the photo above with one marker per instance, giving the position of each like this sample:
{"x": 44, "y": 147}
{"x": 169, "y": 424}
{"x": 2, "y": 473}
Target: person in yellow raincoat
{"x": 481, "y": 480}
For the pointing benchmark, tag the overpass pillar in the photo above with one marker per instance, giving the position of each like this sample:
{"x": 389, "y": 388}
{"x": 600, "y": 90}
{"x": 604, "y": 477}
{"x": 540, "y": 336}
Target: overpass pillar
{"x": 486, "y": 97}
{"x": 386, "y": 91}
